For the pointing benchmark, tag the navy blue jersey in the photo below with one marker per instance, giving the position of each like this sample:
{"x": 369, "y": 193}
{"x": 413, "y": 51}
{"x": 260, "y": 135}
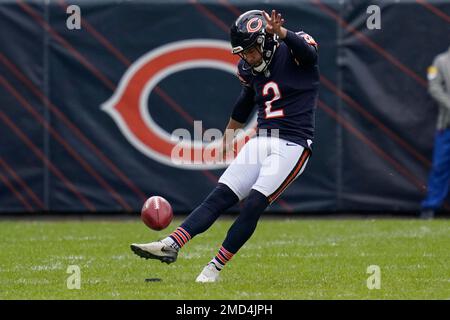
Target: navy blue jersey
{"x": 286, "y": 95}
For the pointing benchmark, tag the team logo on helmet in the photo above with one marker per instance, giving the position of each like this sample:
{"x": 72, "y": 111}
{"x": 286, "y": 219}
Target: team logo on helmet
{"x": 252, "y": 27}
{"x": 129, "y": 104}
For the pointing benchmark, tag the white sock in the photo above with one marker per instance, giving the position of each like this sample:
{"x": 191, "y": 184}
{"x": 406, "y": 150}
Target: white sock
{"x": 216, "y": 264}
{"x": 169, "y": 242}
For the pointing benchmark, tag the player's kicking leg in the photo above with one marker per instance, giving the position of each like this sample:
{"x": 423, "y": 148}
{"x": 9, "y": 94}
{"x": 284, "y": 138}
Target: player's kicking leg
{"x": 283, "y": 164}
{"x": 225, "y": 195}
{"x": 166, "y": 250}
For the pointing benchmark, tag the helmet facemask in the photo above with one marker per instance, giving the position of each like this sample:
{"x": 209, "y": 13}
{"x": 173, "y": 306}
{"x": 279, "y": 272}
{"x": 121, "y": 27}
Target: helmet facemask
{"x": 266, "y": 46}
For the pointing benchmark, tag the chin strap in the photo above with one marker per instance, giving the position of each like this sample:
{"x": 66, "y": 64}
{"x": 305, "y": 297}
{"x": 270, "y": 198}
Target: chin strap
{"x": 267, "y": 55}
{"x": 262, "y": 66}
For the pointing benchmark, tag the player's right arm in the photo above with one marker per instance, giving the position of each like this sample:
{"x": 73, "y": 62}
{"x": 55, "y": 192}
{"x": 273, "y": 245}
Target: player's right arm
{"x": 241, "y": 112}
{"x": 244, "y": 105}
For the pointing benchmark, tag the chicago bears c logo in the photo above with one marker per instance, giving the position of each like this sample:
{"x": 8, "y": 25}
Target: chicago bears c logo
{"x": 129, "y": 108}
{"x": 250, "y": 23}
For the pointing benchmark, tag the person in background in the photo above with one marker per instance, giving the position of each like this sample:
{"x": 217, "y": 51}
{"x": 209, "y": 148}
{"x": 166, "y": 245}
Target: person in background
{"x": 439, "y": 179}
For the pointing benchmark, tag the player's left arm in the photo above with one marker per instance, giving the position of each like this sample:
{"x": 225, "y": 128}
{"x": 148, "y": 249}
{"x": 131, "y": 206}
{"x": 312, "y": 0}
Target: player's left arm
{"x": 302, "y": 45}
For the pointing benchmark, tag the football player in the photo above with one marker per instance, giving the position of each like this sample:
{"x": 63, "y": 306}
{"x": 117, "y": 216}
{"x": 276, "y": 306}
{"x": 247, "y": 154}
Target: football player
{"x": 279, "y": 74}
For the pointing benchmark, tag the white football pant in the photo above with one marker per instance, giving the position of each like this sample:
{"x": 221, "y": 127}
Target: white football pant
{"x": 266, "y": 164}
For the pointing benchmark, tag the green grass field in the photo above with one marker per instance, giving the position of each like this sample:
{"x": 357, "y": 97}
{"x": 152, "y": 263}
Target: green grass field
{"x": 285, "y": 259}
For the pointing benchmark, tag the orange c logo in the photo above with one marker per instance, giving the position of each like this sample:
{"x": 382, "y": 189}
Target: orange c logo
{"x": 257, "y": 27}
{"x": 129, "y": 104}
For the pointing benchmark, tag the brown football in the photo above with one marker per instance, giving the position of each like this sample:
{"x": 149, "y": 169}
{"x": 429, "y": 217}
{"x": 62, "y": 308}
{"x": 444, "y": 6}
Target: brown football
{"x": 157, "y": 213}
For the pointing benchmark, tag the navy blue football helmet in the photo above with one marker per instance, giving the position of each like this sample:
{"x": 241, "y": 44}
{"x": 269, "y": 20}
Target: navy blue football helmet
{"x": 249, "y": 30}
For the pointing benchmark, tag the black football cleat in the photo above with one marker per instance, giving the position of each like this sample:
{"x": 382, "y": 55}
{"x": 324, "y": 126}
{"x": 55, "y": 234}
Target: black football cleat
{"x": 155, "y": 250}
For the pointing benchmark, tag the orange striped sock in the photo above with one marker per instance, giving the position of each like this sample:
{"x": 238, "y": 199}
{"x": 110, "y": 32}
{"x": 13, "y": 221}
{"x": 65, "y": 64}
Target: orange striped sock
{"x": 221, "y": 258}
{"x": 180, "y": 236}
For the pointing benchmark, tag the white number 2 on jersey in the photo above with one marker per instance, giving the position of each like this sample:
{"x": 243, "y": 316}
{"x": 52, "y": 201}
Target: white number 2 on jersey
{"x": 272, "y": 86}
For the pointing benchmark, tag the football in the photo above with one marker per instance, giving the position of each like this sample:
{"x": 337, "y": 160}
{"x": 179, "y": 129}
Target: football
{"x": 157, "y": 213}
